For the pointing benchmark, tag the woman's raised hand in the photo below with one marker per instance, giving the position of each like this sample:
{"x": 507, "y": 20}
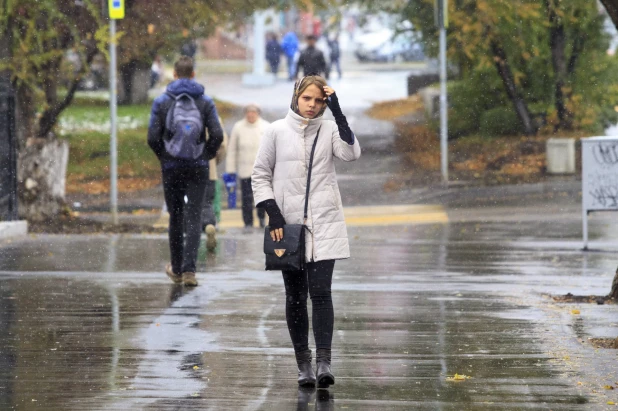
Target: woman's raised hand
{"x": 328, "y": 91}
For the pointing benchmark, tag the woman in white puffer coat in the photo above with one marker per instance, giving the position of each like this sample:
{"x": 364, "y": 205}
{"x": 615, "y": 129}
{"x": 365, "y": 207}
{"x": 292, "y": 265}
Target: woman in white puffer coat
{"x": 279, "y": 181}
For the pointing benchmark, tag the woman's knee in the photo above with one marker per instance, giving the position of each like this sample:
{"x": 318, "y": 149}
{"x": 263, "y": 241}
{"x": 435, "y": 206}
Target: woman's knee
{"x": 296, "y": 298}
{"x": 321, "y": 295}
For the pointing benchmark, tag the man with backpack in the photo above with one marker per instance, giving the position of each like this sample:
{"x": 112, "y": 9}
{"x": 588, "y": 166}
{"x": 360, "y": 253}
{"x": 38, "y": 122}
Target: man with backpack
{"x": 177, "y": 134}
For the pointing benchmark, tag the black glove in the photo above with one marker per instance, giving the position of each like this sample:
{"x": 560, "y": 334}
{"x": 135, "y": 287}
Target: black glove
{"x": 342, "y": 124}
{"x": 275, "y": 218}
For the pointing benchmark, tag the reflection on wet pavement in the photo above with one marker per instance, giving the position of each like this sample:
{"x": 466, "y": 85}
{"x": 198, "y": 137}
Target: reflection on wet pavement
{"x": 91, "y": 323}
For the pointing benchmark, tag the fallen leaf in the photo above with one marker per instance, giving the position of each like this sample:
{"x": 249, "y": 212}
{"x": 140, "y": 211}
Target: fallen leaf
{"x": 575, "y": 312}
{"x": 611, "y": 403}
{"x": 458, "y": 377}
{"x": 609, "y": 387}
{"x": 195, "y": 367}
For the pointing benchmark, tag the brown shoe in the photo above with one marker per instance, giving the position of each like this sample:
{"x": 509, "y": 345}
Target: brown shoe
{"x": 211, "y": 237}
{"x": 189, "y": 280}
{"x": 176, "y": 278}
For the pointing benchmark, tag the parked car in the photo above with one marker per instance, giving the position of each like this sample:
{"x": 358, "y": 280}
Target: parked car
{"x": 386, "y": 45}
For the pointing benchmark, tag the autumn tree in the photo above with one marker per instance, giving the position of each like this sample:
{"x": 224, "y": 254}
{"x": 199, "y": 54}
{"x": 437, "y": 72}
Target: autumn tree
{"x": 534, "y": 48}
{"x": 611, "y": 6}
{"x": 41, "y": 32}
{"x": 40, "y": 37}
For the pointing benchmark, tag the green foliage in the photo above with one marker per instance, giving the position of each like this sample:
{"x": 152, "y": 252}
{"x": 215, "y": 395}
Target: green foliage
{"x": 470, "y": 98}
{"x": 595, "y": 89}
{"x": 499, "y": 121}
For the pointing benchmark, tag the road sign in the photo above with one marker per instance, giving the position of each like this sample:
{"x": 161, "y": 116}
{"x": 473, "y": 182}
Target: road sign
{"x": 599, "y": 177}
{"x": 116, "y": 9}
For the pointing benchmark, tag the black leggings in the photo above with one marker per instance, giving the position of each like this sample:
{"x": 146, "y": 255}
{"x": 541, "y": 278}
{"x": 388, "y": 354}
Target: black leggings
{"x": 316, "y": 280}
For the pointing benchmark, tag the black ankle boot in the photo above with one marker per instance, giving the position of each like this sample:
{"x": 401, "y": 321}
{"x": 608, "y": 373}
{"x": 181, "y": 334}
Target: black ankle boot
{"x": 306, "y": 376}
{"x": 325, "y": 376}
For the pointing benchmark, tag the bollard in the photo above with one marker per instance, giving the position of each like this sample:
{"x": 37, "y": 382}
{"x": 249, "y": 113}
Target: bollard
{"x": 230, "y": 185}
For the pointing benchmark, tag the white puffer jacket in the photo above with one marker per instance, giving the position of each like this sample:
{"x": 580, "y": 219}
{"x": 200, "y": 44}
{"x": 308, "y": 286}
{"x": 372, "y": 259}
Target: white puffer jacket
{"x": 280, "y": 173}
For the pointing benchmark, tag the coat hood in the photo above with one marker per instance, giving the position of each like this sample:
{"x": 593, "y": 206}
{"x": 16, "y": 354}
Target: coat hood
{"x": 186, "y": 86}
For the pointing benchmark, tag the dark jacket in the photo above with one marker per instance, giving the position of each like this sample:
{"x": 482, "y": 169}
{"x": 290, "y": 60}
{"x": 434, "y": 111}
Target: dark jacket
{"x": 335, "y": 52}
{"x": 273, "y": 51}
{"x": 313, "y": 62}
{"x": 157, "y": 131}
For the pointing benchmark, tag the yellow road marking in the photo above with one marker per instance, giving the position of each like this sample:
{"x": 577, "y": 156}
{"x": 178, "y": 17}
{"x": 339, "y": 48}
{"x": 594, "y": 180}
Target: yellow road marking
{"x": 356, "y": 216}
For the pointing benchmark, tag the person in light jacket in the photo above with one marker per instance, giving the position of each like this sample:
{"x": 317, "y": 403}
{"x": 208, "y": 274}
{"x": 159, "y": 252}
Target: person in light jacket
{"x": 243, "y": 148}
{"x": 279, "y": 183}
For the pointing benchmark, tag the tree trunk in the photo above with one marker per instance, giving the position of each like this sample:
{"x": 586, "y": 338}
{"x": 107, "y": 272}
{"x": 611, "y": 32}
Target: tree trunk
{"x": 134, "y": 83}
{"x": 612, "y": 9}
{"x": 25, "y": 114}
{"x": 504, "y": 70}
{"x": 41, "y": 178}
{"x": 614, "y": 293}
{"x": 557, "y": 44}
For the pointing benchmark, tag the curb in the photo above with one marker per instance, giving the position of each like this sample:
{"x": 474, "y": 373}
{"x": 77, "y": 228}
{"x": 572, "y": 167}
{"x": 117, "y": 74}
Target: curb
{"x": 9, "y": 229}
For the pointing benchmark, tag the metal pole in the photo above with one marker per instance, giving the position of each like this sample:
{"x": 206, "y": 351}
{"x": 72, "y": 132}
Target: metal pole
{"x": 8, "y": 135}
{"x": 113, "y": 107}
{"x": 443, "y": 106}
{"x": 585, "y": 228}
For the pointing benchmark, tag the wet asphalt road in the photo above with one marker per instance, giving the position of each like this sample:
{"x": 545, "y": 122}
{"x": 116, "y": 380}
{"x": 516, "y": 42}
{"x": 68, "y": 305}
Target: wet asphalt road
{"x": 91, "y": 323}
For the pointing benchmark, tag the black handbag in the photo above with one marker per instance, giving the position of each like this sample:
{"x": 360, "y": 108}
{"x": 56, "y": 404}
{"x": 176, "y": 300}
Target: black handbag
{"x": 289, "y": 253}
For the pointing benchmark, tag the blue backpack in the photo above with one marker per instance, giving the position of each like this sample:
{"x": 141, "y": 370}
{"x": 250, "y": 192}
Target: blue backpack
{"x": 185, "y": 128}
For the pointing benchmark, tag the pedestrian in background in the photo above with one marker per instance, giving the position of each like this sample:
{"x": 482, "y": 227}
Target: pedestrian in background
{"x": 156, "y": 71}
{"x": 335, "y": 54}
{"x": 289, "y": 44}
{"x": 209, "y": 218}
{"x": 244, "y": 144}
{"x": 177, "y": 134}
{"x": 311, "y": 60}
{"x": 280, "y": 183}
{"x": 273, "y": 53}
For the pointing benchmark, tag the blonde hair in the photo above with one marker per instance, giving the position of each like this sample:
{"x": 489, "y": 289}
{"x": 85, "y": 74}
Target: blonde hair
{"x": 307, "y": 81}
{"x": 303, "y": 84}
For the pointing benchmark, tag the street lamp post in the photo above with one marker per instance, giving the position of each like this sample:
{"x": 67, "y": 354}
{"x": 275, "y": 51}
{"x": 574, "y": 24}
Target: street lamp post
{"x": 442, "y": 22}
{"x": 113, "y": 108}
{"x": 116, "y": 11}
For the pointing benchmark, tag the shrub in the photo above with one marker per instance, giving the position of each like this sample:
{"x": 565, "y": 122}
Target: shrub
{"x": 500, "y": 121}
{"x": 470, "y": 98}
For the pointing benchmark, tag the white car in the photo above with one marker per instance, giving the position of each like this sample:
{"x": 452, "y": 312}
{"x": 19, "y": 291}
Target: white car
{"x": 385, "y": 45}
